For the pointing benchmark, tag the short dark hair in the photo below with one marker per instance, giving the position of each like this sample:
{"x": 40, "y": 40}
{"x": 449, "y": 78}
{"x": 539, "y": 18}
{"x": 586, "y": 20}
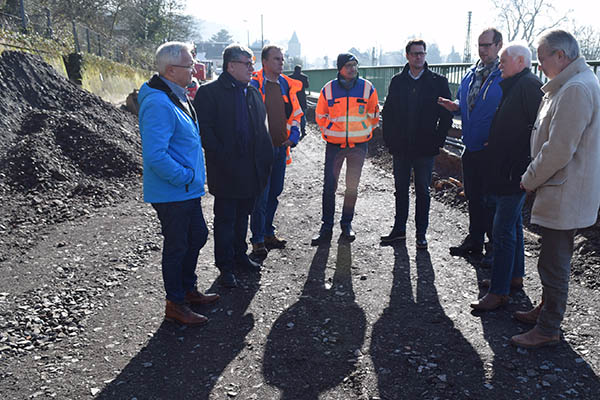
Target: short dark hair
{"x": 415, "y": 42}
{"x": 297, "y": 68}
{"x": 265, "y": 51}
{"x": 497, "y": 34}
{"x": 233, "y": 53}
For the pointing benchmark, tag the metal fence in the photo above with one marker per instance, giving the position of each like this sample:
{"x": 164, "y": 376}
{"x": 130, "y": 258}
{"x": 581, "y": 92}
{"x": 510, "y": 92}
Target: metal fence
{"x": 77, "y": 37}
{"x": 380, "y": 77}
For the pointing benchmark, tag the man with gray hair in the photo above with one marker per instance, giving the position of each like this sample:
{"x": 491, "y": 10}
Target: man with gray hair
{"x": 565, "y": 148}
{"x": 239, "y": 155}
{"x": 507, "y": 155}
{"x": 174, "y": 177}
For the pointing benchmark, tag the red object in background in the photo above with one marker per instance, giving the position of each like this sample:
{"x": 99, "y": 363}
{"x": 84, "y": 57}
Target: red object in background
{"x": 198, "y": 76}
{"x": 199, "y": 72}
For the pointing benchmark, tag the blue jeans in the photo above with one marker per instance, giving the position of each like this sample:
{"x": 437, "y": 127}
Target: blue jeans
{"x": 185, "y": 233}
{"x": 422, "y": 167}
{"x": 507, "y": 234}
{"x": 334, "y": 158}
{"x": 230, "y": 229}
{"x": 261, "y": 222}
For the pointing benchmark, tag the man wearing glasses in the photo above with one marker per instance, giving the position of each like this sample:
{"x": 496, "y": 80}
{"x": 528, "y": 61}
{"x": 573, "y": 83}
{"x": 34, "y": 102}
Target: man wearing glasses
{"x": 347, "y": 112}
{"x": 174, "y": 178}
{"x": 283, "y": 117}
{"x": 477, "y": 99}
{"x": 414, "y": 129}
{"x": 239, "y": 155}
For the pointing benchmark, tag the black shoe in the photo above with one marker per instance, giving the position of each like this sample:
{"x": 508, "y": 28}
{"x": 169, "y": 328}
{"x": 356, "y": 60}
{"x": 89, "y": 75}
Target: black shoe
{"x": 468, "y": 246}
{"x": 227, "y": 279}
{"x": 421, "y": 243}
{"x": 323, "y": 237}
{"x": 395, "y": 235}
{"x": 348, "y": 233}
{"x": 247, "y": 264}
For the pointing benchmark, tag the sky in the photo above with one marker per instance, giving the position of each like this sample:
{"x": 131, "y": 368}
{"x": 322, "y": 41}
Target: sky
{"x": 331, "y": 27}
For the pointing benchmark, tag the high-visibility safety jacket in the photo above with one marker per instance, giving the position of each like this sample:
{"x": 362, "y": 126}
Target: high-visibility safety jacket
{"x": 293, "y": 112}
{"x": 347, "y": 117}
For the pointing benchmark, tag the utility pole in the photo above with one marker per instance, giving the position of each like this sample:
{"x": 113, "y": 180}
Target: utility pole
{"x": 467, "y": 52}
{"x": 262, "y": 38}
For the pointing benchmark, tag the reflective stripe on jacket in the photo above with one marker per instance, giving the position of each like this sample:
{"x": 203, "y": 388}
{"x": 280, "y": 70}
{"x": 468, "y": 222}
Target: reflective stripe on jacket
{"x": 347, "y": 117}
{"x": 293, "y": 111}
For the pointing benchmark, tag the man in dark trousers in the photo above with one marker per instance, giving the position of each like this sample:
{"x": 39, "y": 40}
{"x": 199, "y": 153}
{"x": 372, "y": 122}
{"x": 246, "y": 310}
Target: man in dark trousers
{"x": 239, "y": 155}
{"x": 174, "y": 178}
{"x": 414, "y": 129}
{"x": 298, "y": 75}
{"x": 478, "y": 97}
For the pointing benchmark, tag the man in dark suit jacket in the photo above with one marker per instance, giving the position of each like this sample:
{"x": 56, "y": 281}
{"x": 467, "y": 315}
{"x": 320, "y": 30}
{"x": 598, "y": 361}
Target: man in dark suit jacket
{"x": 414, "y": 128}
{"x": 239, "y": 155}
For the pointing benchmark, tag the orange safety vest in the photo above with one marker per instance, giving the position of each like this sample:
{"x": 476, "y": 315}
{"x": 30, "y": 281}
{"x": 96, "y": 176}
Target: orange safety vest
{"x": 347, "y": 117}
{"x": 289, "y": 88}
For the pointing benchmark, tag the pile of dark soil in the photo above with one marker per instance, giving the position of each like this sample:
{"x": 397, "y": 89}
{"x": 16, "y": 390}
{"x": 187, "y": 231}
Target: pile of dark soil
{"x": 62, "y": 150}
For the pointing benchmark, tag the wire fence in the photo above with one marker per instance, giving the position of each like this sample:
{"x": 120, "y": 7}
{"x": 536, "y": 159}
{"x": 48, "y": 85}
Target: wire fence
{"x": 76, "y": 37}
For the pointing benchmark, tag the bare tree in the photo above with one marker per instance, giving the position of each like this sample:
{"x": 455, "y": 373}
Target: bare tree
{"x": 589, "y": 41}
{"x": 526, "y": 19}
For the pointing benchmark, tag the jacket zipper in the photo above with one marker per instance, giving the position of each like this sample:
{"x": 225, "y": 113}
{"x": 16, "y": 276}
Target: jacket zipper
{"x": 347, "y": 109}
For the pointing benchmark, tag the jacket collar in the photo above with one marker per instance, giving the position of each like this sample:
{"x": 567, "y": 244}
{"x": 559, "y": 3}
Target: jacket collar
{"x": 507, "y": 83}
{"x": 576, "y": 67}
{"x": 156, "y": 83}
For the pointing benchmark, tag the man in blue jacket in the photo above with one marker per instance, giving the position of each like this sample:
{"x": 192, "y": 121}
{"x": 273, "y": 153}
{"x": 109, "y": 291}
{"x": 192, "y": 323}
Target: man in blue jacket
{"x": 174, "y": 178}
{"x": 477, "y": 99}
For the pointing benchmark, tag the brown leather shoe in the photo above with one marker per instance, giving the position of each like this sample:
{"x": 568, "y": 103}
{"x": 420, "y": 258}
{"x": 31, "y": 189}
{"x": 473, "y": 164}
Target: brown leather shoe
{"x": 515, "y": 283}
{"x": 195, "y": 297}
{"x": 183, "y": 314}
{"x": 273, "y": 242}
{"x": 489, "y": 302}
{"x": 533, "y": 339}
{"x": 531, "y": 316}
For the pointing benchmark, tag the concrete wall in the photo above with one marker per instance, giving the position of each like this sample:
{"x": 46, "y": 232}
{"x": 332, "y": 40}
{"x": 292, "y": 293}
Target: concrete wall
{"x": 108, "y": 79}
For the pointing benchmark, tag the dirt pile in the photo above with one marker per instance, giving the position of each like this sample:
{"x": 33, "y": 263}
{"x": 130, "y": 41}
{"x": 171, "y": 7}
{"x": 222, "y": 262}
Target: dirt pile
{"x": 62, "y": 150}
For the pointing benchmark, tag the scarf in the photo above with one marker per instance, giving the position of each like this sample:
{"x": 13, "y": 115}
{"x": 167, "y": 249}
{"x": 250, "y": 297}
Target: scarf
{"x": 242, "y": 123}
{"x": 481, "y": 74}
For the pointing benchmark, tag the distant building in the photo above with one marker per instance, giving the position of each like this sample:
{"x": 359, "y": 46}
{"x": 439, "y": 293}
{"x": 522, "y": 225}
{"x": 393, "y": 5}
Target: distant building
{"x": 294, "y": 47}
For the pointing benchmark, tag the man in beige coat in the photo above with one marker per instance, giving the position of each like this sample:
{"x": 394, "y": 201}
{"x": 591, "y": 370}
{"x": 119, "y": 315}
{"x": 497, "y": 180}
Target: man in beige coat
{"x": 565, "y": 148}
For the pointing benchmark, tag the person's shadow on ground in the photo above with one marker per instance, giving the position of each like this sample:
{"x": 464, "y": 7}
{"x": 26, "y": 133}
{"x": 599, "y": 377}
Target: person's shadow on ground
{"x": 313, "y": 345}
{"x": 186, "y": 363}
{"x": 416, "y": 350}
{"x": 536, "y": 373}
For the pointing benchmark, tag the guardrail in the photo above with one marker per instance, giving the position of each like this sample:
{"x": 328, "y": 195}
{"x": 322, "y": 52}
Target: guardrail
{"x": 380, "y": 77}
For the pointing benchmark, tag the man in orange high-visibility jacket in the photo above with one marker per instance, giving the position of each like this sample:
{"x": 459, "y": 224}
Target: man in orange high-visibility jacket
{"x": 347, "y": 112}
{"x": 283, "y": 118}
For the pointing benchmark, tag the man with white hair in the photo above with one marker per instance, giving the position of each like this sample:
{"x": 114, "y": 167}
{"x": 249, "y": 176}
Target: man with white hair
{"x": 507, "y": 155}
{"x": 565, "y": 148}
{"x": 174, "y": 177}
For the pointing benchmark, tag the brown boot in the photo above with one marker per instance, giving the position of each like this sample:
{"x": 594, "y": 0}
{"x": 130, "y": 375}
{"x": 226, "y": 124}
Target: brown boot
{"x": 533, "y": 339}
{"x": 273, "y": 242}
{"x": 183, "y": 314}
{"x": 489, "y": 302}
{"x": 195, "y": 297}
{"x": 515, "y": 283}
{"x": 531, "y": 316}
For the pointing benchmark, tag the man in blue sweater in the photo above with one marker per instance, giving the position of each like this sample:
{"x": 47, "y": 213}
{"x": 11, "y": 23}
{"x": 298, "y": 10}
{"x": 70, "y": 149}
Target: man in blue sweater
{"x": 174, "y": 178}
{"x": 477, "y": 99}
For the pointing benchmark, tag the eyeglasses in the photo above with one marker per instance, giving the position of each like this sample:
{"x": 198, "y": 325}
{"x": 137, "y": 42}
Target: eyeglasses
{"x": 487, "y": 45}
{"x": 418, "y": 53}
{"x": 248, "y": 64}
{"x": 190, "y": 67}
